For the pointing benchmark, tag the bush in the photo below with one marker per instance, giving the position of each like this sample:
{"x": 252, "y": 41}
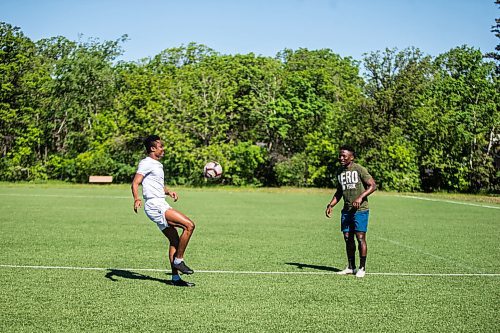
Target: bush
{"x": 292, "y": 171}
{"x": 92, "y": 162}
{"x": 394, "y": 166}
{"x": 246, "y": 160}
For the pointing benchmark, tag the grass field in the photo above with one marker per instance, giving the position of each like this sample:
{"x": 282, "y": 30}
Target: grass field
{"x": 76, "y": 258}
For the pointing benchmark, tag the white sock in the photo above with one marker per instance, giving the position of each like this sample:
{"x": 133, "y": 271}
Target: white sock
{"x": 176, "y": 277}
{"x": 177, "y": 261}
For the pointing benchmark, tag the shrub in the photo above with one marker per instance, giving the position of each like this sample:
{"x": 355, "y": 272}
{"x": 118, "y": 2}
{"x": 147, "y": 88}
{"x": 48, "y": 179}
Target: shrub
{"x": 292, "y": 171}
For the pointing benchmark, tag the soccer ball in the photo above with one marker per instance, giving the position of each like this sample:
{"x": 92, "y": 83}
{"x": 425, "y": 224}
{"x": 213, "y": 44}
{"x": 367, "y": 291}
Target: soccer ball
{"x": 212, "y": 170}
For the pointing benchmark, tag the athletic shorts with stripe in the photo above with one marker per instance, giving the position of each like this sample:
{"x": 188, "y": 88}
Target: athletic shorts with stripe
{"x": 155, "y": 209}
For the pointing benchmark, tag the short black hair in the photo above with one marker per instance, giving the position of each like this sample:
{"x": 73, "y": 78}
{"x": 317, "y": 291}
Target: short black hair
{"x": 150, "y": 142}
{"x": 348, "y": 148}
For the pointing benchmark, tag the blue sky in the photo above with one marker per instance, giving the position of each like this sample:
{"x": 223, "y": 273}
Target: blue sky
{"x": 264, "y": 27}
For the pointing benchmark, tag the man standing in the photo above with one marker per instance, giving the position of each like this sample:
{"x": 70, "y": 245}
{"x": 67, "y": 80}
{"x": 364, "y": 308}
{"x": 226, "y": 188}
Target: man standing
{"x": 354, "y": 185}
{"x": 150, "y": 174}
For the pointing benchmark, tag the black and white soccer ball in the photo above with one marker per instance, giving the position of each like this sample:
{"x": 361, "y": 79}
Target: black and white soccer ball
{"x": 212, "y": 170}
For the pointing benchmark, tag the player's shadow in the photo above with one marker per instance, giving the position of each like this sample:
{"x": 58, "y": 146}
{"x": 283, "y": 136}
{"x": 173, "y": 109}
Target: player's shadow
{"x": 318, "y": 267}
{"x": 121, "y": 273}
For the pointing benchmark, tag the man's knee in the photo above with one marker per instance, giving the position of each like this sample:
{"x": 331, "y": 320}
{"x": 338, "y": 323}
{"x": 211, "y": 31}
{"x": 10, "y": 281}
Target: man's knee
{"x": 360, "y": 236}
{"x": 188, "y": 225}
{"x": 348, "y": 237}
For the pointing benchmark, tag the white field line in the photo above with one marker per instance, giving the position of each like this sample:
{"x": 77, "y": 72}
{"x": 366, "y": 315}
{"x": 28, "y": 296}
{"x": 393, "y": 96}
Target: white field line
{"x": 241, "y": 272}
{"x": 249, "y": 272}
{"x": 448, "y": 201}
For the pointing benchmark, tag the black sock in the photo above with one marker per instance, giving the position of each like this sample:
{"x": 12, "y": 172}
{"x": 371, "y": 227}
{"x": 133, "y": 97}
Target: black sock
{"x": 352, "y": 262}
{"x": 362, "y": 262}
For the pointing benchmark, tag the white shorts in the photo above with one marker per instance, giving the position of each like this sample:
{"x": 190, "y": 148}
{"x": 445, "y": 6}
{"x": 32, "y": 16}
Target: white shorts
{"x": 155, "y": 209}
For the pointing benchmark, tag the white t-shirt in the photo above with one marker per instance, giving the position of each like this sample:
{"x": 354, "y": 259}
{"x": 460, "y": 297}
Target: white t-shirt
{"x": 153, "y": 184}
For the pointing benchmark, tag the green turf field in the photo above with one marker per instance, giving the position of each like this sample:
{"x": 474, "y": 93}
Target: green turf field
{"x": 76, "y": 258}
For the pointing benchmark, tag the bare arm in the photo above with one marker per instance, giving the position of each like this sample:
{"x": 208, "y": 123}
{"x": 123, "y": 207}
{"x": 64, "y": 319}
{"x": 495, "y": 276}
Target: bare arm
{"x": 135, "y": 190}
{"x": 171, "y": 194}
{"x": 369, "y": 190}
{"x": 333, "y": 202}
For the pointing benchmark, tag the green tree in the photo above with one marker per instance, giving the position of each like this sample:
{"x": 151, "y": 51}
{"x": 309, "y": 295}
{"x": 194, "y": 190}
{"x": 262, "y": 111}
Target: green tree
{"x": 22, "y": 77}
{"x": 463, "y": 121}
{"x": 495, "y": 55}
{"x": 395, "y": 85}
{"x": 313, "y": 112}
{"x": 395, "y": 81}
{"x": 82, "y": 87}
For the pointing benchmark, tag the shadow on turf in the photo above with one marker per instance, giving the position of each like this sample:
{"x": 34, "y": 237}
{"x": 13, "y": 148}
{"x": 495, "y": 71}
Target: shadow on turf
{"x": 321, "y": 268}
{"x": 132, "y": 275}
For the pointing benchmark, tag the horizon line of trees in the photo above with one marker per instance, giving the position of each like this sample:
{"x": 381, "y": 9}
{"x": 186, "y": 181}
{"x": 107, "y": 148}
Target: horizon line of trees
{"x": 68, "y": 110}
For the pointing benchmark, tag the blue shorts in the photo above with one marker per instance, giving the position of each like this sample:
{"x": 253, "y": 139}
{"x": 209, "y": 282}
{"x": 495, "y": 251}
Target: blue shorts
{"x": 357, "y": 222}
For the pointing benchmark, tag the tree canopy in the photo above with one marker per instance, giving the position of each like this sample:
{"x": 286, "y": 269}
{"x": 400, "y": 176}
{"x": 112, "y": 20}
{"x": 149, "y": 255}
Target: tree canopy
{"x": 69, "y": 109}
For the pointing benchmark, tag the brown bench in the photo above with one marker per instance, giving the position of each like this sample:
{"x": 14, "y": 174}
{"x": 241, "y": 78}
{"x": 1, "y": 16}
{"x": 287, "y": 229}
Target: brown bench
{"x": 101, "y": 179}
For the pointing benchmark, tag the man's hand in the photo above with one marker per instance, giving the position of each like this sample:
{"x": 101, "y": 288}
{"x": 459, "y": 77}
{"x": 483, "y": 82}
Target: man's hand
{"x": 328, "y": 211}
{"x": 173, "y": 195}
{"x": 371, "y": 188}
{"x": 357, "y": 203}
{"x": 137, "y": 204}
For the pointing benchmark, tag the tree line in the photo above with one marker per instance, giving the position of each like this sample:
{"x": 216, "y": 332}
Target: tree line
{"x": 69, "y": 109}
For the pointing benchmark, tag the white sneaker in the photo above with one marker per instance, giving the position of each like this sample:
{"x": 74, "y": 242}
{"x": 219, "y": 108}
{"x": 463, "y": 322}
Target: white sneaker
{"x": 347, "y": 271}
{"x": 361, "y": 273}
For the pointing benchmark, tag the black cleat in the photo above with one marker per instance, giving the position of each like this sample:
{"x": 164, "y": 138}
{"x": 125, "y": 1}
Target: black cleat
{"x": 183, "y": 268}
{"x": 182, "y": 283}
